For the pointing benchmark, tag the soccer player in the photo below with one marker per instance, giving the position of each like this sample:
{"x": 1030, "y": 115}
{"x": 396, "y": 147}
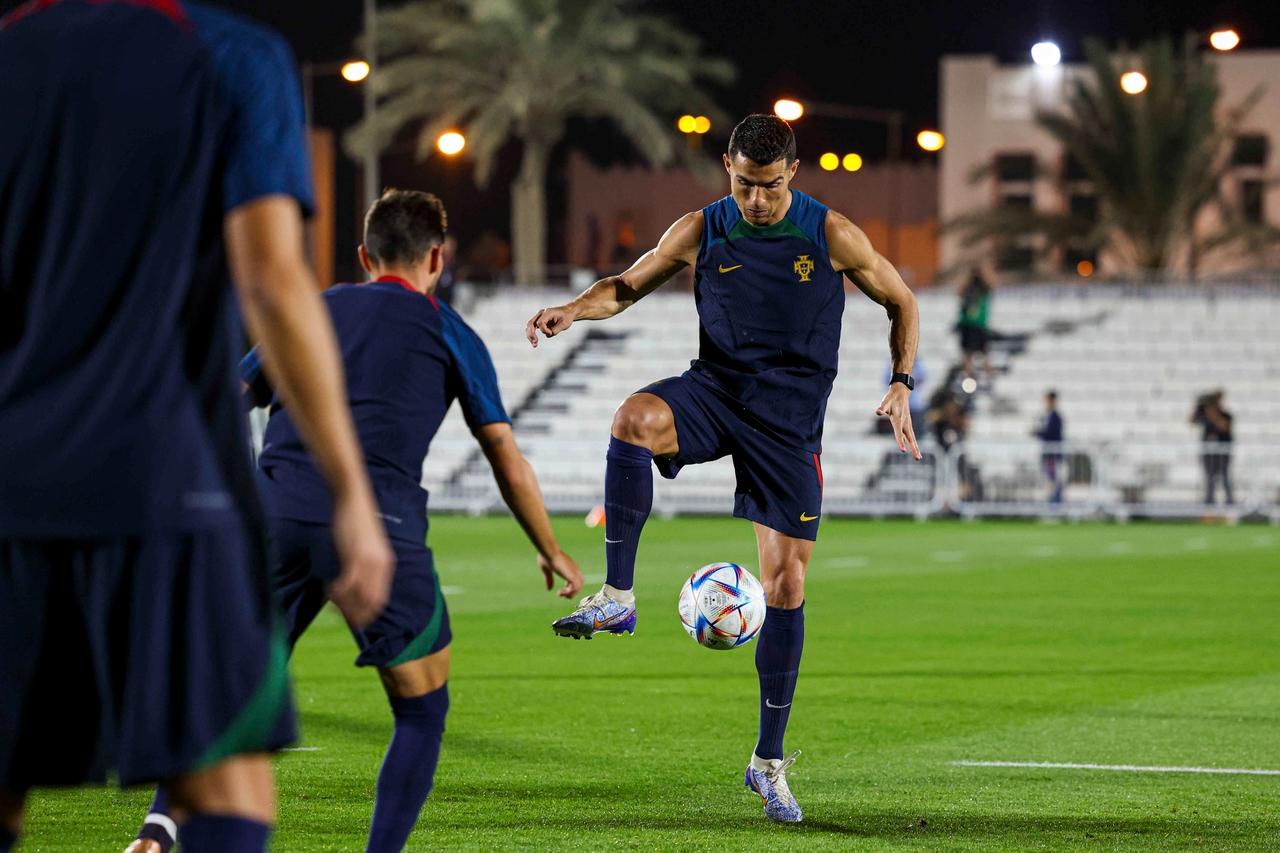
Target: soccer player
{"x": 148, "y": 145}
{"x": 769, "y": 266}
{"x": 407, "y": 356}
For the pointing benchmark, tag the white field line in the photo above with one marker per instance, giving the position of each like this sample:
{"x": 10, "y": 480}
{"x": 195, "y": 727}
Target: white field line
{"x": 301, "y": 749}
{"x": 1044, "y": 551}
{"x": 1196, "y": 544}
{"x": 846, "y": 562}
{"x": 452, "y": 590}
{"x": 1123, "y": 768}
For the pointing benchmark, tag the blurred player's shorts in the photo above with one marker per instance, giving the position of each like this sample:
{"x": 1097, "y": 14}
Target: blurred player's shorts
{"x": 148, "y": 657}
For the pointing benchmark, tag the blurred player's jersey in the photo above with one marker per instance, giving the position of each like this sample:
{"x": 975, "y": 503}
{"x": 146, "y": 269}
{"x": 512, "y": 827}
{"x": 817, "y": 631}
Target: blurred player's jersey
{"x": 406, "y": 358}
{"x": 769, "y": 308}
{"x": 131, "y": 129}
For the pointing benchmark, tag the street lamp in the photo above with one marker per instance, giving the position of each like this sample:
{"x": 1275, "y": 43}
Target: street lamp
{"x": 788, "y": 109}
{"x": 1046, "y": 54}
{"x": 354, "y": 71}
{"x": 930, "y": 140}
{"x": 1133, "y": 82}
{"x": 1224, "y": 39}
{"x": 451, "y": 142}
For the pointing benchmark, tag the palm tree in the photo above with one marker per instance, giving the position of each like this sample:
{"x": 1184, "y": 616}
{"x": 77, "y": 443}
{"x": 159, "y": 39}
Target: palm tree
{"x": 1156, "y": 161}
{"x": 519, "y": 69}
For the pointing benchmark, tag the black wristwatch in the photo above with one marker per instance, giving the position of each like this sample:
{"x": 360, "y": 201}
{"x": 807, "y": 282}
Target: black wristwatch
{"x": 905, "y": 379}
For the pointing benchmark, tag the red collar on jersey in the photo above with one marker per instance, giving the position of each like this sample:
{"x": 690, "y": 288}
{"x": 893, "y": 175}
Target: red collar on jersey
{"x": 395, "y": 279}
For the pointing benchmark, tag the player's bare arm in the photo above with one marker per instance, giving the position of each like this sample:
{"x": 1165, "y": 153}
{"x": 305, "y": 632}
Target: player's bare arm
{"x": 677, "y": 249}
{"x": 519, "y": 486}
{"x": 852, "y": 254}
{"x": 284, "y": 313}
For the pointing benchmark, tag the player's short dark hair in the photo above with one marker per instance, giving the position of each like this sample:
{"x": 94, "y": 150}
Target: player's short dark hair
{"x": 763, "y": 139}
{"x": 403, "y": 225}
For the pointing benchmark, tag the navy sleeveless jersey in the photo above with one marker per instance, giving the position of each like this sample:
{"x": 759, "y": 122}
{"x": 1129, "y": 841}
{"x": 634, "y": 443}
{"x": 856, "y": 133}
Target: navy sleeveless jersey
{"x": 770, "y": 307}
{"x": 131, "y": 129}
{"x": 406, "y": 358}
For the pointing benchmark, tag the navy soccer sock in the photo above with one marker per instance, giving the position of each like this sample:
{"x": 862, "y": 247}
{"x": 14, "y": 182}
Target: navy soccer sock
{"x": 628, "y": 497}
{"x": 159, "y": 826}
{"x": 778, "y": 663}
{"x": 409, "y": 768}
{"x": 215, "y": 833}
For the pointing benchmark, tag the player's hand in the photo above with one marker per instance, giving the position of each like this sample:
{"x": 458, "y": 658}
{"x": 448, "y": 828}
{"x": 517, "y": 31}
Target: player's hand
{"x": 896, "y": 406}
{"x": 366, "y": 558}
{"x": 549, "y": 321}
{"x": 564, "y": 566}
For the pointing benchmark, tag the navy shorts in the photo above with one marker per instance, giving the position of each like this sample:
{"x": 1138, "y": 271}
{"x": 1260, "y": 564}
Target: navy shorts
{"x": 147, "y": 656}
{"x": 415, "y": 622}
{"x": 779, "y": 484}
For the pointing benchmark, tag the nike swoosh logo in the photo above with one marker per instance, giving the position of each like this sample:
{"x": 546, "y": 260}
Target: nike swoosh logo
{"x": 613, "y": 541}
{"x": 804, "y": 517}
{"x": 725, "y": 269}
{"x": 615, "y": 618}
{"x": 771, "y": 705}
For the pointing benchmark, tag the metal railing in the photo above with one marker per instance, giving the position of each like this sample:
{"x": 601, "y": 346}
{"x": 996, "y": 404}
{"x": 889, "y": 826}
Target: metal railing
{"x": 978, "y": 478}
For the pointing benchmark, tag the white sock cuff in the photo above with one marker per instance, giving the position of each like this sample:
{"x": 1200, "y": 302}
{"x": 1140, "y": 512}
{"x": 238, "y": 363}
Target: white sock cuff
{"x": 164, "y": 822}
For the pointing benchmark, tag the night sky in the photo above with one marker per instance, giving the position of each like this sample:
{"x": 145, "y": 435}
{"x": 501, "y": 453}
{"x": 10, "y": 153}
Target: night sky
{"x": 879, "y": 53}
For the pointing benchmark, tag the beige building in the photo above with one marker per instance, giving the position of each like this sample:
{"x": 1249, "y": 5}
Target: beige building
{"x": 988, "y": 115}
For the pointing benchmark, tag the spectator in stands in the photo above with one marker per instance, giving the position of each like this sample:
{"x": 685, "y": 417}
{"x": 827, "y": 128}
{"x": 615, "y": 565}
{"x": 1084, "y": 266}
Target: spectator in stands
{"x": 975, "y": 308}
{"x": 1049, "y": 431}
{"x": 1215, "y": 444}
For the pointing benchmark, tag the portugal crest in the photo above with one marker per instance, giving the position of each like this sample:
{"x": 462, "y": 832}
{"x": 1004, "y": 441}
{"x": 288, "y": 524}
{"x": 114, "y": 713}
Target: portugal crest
{"x": 803, "y": 267}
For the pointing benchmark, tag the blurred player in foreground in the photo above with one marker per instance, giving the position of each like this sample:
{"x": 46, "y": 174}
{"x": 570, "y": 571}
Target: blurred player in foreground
{"x": 150, "y": 144}
{"x": 769, "y": 267}
{"x": 406, "y": 356}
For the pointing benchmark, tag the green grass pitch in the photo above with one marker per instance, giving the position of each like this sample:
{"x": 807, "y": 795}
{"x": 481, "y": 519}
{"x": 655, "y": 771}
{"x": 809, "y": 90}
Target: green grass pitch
{"x": 926, "y": 644}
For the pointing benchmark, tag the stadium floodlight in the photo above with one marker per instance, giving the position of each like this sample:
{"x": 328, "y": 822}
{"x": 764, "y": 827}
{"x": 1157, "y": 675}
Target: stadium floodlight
{"x": 686, "y": 123}
{"x": 788, "y": 109}
{"x": 851, "y": 162}
{"x": 1133, "y": 82}
{"x": 451, "y": 142}
{"x": 1046, "y": 54}
{"x": 355, "y": 70}
{"x": 1224, "y": 39}
{"x": 930, "y": 140}
{"x": 829, "y": 161}
{"x": 701, "y": 124}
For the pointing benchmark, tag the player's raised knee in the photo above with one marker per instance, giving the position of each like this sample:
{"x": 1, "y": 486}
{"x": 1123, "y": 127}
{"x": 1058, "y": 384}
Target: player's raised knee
{"x": 642, "y": 420}
{"x": 785, "y": 589}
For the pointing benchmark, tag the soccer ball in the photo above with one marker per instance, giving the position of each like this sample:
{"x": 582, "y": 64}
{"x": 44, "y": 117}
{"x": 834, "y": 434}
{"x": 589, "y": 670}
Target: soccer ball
{"x": 722, "y": 606}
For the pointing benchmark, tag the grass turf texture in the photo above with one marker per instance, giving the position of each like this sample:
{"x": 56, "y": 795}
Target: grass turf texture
{"x": 926, "y": 644}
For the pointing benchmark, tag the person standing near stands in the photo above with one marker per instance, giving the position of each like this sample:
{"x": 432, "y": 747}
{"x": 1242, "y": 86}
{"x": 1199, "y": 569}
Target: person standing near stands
{"x": 1215, "y": 444}
{"x": 1049, "y": 431}
{"x": 975, "y": 308}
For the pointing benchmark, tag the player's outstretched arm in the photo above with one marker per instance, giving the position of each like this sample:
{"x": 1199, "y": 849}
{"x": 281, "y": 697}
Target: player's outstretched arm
{"x": 284, "y": 313}
{"x": 852, "y": 254}
{"x": 677, "y": 249}
{"x": 519, "y": 487}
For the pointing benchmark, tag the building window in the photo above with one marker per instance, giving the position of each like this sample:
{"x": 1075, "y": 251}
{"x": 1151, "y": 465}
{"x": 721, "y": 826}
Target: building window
{"x": 1073, "y": 169}
{"x": 1250, "y": 150}
{"x": 1253, "y": 201}
{"x": 1083, "y": 206}
{"x": 1011, "y": 168}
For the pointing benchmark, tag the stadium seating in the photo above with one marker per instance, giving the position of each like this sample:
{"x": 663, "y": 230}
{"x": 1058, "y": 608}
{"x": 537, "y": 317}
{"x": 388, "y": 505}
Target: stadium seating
{"x": 1128, "y": 364}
